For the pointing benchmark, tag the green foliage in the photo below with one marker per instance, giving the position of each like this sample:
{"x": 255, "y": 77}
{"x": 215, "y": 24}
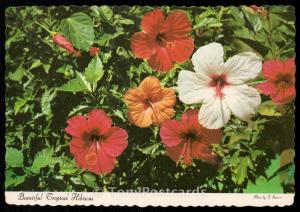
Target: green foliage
{"x": 45, "y": 85}
{"x": 14, "y": 158}
{"x": 42, "y": 159}
{"x": 79, "y": 30}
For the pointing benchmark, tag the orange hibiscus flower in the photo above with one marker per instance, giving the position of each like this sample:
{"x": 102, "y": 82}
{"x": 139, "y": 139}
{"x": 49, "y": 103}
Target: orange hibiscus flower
{"x": 150, "y": 103}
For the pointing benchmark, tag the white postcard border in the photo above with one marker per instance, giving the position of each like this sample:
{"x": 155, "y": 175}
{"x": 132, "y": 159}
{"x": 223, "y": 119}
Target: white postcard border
{"x": 147, "y": 199}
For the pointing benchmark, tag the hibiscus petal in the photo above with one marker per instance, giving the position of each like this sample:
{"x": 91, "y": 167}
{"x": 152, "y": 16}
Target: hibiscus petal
{"x": 176, "y": 26}
{"x": 79, "y": 148}
{"x": 193, "y": 89}
{"x": 161, "y": 60}
{"x": 168, "y": 98}
{"x": 290, "y": 66}
{"x": 163, "y": 109}
{"x": 190, "y": 119}
{"x": 151, "y": 89}
{"x": 211, "y": 136}
{"x": 76, "y": 145}
{"x": 77, "y": 125}
{"x": 271, "y": 68}
{"x": 97, "y": 119}
{"x": 170, "y": 133}
{"x": 176, "y": 152}
{"x": 153, "y": 21}
{"x": 134, "y": 96}
{"x": 214, "y": 113}
{"x": 202, "y": 152}
{"x": 115, "y": 141}
{"x": 208, "y": 59}
{"x": 105, "y": 163}
{"x": 242, "y": 100}
{"x": 243, "y": 67}
{"x": 140, "y": 116}
{"x": 267, "y": 88}
{"x": 141, "y": 45}
{"x": 181, "y": 50}
{"x": 284, "y": 96}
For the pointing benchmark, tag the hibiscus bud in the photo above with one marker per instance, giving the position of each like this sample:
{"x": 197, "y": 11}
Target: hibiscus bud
{"x": 63, "y": 42}
{"x": 260, "y": 10}
{"x": 94, "y": 51}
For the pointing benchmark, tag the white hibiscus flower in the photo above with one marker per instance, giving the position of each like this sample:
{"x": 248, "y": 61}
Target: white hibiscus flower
{"x": 219, "y": 86}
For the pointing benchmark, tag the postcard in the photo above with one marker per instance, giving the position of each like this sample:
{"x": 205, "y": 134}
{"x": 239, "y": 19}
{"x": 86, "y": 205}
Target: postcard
{"x": 150, "y": 105}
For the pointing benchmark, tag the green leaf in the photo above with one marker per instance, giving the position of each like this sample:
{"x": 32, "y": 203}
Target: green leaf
{"x": 18, "y": 74}
{"x": 119, "y": 114}
{"x": 150, "y": 150}
{"x": 46, "y": 100}
{"x": 263, "y": 185}
{"x": 255, "y": 45}
{"x": 106, "y": 13}
{"x": 94, "y": 71}
{"x": 254, "y": 22}
{"x": 126, "y": 21}
{"x": 241, "y": 171}
{"x": 89, "y": 180}
{"x": 77, "y": 180}
{"x": 19, "y": 104}
{"x": 42, "y": 159}
{"x": 72, "y": 86}
{"x": 79, "y": 29}
{"x": 237, "y": 14}
{"x": 83, "y": 82}
{"x": 67, "y": 166}
{"x": 268, "y": 108}
{"x": 35, "y": 64}
{"x": 78, "y": 109}
{"x": 12, "y": 179}
{"x": 14, "y": 158}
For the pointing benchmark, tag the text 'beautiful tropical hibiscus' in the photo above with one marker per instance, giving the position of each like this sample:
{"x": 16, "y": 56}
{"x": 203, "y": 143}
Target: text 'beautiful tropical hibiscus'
{"x": 281, "y": 80}
{"x": 219, "y": 86}
{"x": 187, "y": 139}
{"x": 150, "y": 103}
{"x": 163, "y": 40}
{"x": 95, "y": 143}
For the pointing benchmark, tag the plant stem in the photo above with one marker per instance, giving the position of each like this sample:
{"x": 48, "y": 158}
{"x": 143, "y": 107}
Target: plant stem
{"x": 44, "y": 27}
{"x": 256, "y": 82}
{"x": 273, "y": 53}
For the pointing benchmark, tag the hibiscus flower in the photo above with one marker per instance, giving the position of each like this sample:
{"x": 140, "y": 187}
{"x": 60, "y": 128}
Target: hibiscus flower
{"x": 219, "y": 86}
{"x": 281, "y": 80}
{"x": 163, "y": 40}
{"x": 150, "y": 103}
{"x": 95, "y": 143}
{"x": 187, "y": 139}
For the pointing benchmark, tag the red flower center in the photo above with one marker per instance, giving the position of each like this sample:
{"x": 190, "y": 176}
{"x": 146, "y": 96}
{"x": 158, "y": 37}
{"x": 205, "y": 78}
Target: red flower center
{"x": 162, "y": 41}
{"x": 218, "y": 81}
{"x": 190, "y": 136}
{"x": 93, "y": 136}
{"x": 284, "y": 81}
{"x": 160, "y": 38}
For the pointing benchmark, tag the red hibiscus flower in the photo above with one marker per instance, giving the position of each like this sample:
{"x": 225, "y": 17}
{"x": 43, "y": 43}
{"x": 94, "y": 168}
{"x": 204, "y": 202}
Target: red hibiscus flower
{"x": 163, "y": 40}
{"x": 63, "y": 43}
{"x": 280, "y": 85}
{"x": 187, "y": 139}
{"x": 94, "y": 51}
{"x": 95, "y": 143}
